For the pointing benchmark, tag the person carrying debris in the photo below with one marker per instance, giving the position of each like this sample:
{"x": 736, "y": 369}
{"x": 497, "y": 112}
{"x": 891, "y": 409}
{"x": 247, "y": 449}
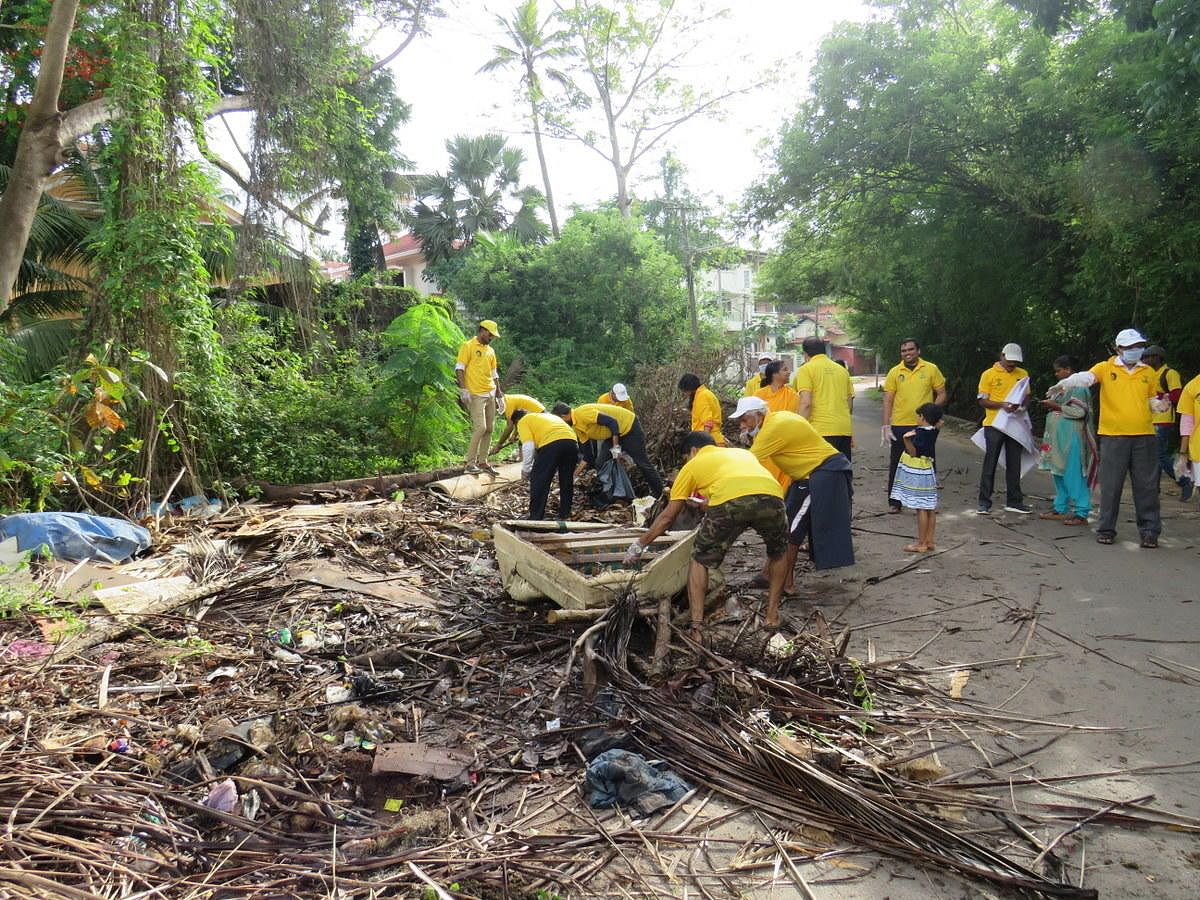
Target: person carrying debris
{"x": 618, "y": 395}
{"x": 705, "y": 407}
{"x": 1003, "y": 388}
{"x": 738, "y": 494}
{"x": 818, "y": 500}
{"x": 479, "y": 390}
{"x": 617, "y": 431}
{"x": 1128, "y": 400}
{"x": 510, "y": 406}
{"x": 548, "y": 446}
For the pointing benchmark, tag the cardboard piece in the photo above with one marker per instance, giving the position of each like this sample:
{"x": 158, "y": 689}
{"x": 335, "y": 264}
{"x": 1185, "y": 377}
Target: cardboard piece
{"x": 442, "y": 763}
{"x": 341, "y": 580}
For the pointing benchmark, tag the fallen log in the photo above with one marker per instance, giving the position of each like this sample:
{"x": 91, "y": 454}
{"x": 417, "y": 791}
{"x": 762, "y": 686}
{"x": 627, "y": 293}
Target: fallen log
{"x": 353, "y": 488}
{"x": 472, "y": 487}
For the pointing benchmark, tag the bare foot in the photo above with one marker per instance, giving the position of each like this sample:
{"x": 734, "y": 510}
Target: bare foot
{"x": 696, "y": 634}
{"x": 918, "y": 548}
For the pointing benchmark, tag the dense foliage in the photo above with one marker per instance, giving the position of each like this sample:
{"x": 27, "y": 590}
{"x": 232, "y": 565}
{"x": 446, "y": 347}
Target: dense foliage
{"x": 583, "y": 311}
{"x": 979, "y": 172}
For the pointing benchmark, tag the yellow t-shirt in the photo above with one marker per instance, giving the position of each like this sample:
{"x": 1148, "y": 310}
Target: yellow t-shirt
{"x": 752, "y": 385}
{"x": 912, "y": 388}
{"x": 514, "y": 402}
{"x": 790, "y": 442}
{"x": 995, "y": 384}
{"x": 1125, "y": 398}
{"x": 479, "y": 362}
{"x": 832, "y": 390}
{"x": 1189, "y": 405}
{"x": 706, "y": 408}
{"x": 584, "y": 419}
{"x": 612, "y": 401}
{"x": 782, "y": 400}
{"x": 722, "y": 474}
{"x": 1173, "y": 382}
{"x": 543, "y": 428}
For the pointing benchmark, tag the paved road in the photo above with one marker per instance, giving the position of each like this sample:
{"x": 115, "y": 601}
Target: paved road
{"x": 1129, "y": 604}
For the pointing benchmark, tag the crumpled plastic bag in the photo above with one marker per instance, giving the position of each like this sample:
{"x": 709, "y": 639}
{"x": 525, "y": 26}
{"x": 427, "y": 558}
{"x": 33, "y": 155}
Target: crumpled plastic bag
{"x": 619, "y": 776}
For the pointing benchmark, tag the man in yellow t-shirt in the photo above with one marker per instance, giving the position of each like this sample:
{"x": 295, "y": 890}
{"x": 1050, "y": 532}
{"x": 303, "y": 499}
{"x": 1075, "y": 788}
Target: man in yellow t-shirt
{"x": 704, "y": 406}
{"x": 1170, "y": 386}
{"x": 738, "y": 493}
{"x": 910, "y": 383}
{"x": 478, "y": 390}
{"x": 995, "y": 386}
{"x": 617, "y": 431}
{"x": 548, "y": 446}
{"x": 1189, "y": 440}
{"x": 818, "y": 499}
{"x": 826, "y": 396}
{"x": 513, "y": 404}
{"x": 754, "y": 382}
{"x": 618, "y": 395}
{"x": 1128, "y": 401}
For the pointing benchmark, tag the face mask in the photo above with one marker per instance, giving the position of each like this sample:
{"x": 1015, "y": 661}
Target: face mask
{"x": 1131, "y": 356}
{"x": 762, "y": 370}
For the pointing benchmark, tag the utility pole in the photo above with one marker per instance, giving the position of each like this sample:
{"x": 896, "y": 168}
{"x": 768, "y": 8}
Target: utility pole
{"x": 689, "y": 271}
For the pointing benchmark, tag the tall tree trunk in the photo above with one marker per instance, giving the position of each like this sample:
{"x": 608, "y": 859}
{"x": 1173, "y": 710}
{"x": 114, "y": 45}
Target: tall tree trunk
{"x": 537, "y": 139}
{"x": 39, "y": 149}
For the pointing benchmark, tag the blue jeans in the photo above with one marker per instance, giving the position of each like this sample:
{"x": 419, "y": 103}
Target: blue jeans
{"x": 1071, "y": 491}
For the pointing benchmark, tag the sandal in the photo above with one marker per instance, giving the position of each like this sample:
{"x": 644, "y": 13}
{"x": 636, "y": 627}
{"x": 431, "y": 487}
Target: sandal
{"x": 1075, "y": 520}
{"x": 1104, "y": 538}
{"x": 1150, "y": 542}
{"x": 1052, "y": 515}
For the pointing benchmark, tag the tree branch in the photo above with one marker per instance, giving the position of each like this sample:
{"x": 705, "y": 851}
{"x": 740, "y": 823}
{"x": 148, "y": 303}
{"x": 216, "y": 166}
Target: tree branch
{"x": 273, "y": 200}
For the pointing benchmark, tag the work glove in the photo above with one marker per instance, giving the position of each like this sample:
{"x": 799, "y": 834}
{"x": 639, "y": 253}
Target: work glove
{"x": 633, "y": 554}
{"x": 888, "y": 436}
{"x": 617, "y": 453}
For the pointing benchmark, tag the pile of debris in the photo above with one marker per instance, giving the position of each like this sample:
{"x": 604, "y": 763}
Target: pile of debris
{"x": 286, "y": 701}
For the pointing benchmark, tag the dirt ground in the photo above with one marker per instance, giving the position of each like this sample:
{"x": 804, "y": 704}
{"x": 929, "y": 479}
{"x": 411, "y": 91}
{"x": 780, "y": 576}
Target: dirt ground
{"x": 1112, "y": 623}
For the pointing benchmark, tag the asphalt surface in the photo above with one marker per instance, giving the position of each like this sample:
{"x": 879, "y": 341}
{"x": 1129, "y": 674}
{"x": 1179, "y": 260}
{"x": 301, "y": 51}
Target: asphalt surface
{"x": 1116, "y": 645}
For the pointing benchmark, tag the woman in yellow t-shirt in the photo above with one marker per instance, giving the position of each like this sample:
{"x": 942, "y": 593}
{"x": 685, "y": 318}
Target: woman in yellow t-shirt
{"x": 780, "y": 397}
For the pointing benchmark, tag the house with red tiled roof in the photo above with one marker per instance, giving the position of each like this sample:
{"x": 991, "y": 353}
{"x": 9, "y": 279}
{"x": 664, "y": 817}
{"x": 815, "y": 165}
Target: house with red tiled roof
{"x": 405, "y": 263}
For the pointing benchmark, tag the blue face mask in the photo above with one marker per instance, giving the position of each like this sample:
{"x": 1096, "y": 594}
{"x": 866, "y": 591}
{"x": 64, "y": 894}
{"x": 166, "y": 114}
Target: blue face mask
{"x": 1131, "y": 356}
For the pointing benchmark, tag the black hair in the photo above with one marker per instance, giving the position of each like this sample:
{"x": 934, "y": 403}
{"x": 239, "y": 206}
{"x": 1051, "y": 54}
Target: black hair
{"x": 769, "y": 372}
{"x": 1066, "y": 361}
{"x": 689, "y": 382}
{"x": 696, "y": 439}
{"x": 519, "y": 415}
{"x": 930, "y": 412}
{"x": 911, "y": 341}
{"x": 561, "y": 409}
{"x": 812, "y": 346}
{"x": 842, "y": 363}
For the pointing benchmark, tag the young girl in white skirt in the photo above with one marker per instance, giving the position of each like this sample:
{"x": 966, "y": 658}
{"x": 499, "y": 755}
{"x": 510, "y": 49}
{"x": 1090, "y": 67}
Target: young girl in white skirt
{"x": 916, "y": 477}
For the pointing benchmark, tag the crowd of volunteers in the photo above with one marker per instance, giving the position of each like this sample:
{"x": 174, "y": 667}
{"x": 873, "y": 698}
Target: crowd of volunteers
{"x": 790, "y": 480}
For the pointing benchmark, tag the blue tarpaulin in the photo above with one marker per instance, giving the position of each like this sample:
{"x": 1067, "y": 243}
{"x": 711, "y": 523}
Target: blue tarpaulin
{"x": 75, "y": 536}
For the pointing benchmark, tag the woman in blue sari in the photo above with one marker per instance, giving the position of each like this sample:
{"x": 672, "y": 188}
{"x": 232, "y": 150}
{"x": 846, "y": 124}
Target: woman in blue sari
{"x": 1069, "y": 449}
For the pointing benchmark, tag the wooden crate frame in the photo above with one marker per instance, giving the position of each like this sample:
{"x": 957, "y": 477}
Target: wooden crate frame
{"x": 528, "y": 570}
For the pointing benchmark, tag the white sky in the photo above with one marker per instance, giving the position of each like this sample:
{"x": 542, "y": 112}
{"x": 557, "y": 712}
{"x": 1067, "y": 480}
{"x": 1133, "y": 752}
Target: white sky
{"x": 436, "y": 75}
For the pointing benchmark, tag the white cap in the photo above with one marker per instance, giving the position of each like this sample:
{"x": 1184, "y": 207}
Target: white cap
{"x": 766, "y": 356}
{"x": 749, "y": 404}
{"x": 1130, "y": 336}
{"x": 1012, "y": 352}
{"x": 620, "y": 392}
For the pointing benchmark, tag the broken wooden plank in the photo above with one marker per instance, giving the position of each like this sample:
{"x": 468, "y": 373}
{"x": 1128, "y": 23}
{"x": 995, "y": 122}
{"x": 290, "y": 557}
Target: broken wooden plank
{"x": 442, "y": 763}
{"x": 340, "y": 580}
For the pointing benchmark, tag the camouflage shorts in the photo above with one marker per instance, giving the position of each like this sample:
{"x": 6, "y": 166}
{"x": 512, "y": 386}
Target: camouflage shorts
{"x": 723, "y": 524}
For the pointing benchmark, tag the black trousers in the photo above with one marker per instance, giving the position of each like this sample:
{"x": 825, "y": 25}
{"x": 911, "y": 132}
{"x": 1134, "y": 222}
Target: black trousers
{"x": 633, "y": 442}
{"x": 844, "y": 444}
{"x": 557, "y": 456}
{"x": 997, "y": 440}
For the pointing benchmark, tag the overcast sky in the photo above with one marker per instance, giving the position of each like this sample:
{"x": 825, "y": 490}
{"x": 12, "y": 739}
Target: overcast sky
{"x": 436, "y": 75}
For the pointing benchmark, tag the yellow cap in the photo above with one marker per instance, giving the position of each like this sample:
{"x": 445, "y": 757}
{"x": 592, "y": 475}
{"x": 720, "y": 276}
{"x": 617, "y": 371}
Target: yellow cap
{"x": 490, "y": 326}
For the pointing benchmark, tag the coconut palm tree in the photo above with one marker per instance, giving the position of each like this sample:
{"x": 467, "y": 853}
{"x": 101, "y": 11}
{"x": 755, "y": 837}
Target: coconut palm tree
{"x": 480, "y": 187}
{"x": 530, "y": 44}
